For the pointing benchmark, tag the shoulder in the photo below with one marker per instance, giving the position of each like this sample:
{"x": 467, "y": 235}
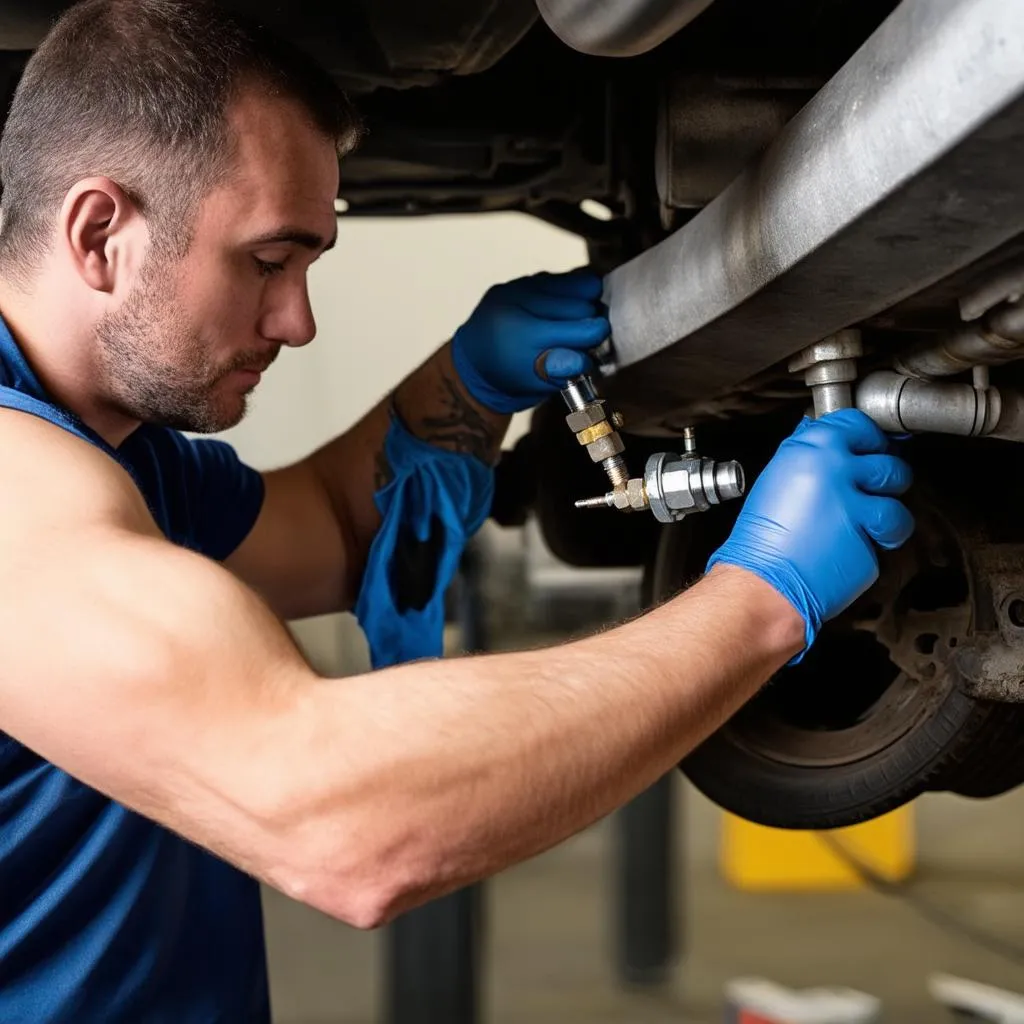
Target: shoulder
{"x": 48, "y": 473}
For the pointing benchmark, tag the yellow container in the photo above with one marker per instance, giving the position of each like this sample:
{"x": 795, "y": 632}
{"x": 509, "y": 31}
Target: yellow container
{"x": 759, "y": 859}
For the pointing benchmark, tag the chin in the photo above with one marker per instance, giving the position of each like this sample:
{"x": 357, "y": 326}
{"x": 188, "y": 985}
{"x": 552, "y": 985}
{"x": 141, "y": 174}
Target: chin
{"x": 228, "y": 417}
{"x": 211, "y": 420}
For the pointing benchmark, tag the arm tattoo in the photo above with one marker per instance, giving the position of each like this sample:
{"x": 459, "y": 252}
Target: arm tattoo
{"x": 459, "y": 426}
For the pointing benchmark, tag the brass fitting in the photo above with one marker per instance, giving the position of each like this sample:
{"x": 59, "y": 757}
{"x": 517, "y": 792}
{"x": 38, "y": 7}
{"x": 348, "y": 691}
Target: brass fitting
{"x": 596, "y": 429}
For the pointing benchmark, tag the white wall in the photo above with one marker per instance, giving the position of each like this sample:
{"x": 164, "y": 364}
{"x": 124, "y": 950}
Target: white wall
{"x": 385, "y": 297}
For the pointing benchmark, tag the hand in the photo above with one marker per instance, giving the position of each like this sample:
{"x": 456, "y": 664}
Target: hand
{"x": 527, "y": 338}
{"x": 810, "y": 522}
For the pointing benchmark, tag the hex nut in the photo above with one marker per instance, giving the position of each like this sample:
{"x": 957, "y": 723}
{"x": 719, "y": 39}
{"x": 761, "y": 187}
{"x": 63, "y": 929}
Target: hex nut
{"x": 834, "y": 371}
{"x": 605, "y": 447}
{"x": 675, "y": 486}
{"x": 589, "y": 416}
{"x": 636, "y": 493}
{"x": 845, "y": 344}
{"x": 620, "y": 499}
{"x": 595, "y": 432}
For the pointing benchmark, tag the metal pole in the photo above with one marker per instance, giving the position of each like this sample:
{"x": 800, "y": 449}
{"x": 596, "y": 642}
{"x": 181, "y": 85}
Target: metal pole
{"x": 433, "y": 954}
{"x": 433, "y": 962}
{"x": 645, "y": 889}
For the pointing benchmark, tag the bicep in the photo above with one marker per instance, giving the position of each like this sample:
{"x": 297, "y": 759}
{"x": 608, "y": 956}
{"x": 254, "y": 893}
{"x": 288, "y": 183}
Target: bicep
{"x": 146, "y": 671}
{"x": 296, "y": 555}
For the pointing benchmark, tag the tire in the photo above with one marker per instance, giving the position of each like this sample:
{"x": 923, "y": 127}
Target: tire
{"x": 938, "y": 737}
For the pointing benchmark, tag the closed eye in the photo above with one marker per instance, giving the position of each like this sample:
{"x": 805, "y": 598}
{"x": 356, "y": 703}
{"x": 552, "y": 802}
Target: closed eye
{"x": 266, "y": 268}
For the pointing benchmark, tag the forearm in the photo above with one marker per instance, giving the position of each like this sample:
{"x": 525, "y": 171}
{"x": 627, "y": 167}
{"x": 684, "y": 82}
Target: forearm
{"x": 366, "y": 795}
{"x": 460, "y": 768}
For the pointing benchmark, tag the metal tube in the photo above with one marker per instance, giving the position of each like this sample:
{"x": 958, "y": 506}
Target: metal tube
{"x": 579, "y": 393}
{"x": 831, "y": 397}
{"x": 906, "y": 404}
{"x": 730, "y": 481}
{"x": 1010, "y": 426}
{"x": 621, "y": 29}
{"x": 999, "y": 338}
{"x": 602, "y": 501}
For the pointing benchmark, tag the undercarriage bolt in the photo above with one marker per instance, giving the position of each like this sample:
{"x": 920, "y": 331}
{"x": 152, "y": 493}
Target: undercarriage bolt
{"x": 829, "y": 367}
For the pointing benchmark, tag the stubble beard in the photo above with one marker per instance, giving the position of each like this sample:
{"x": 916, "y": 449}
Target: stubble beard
{"x": 158, "y": 368}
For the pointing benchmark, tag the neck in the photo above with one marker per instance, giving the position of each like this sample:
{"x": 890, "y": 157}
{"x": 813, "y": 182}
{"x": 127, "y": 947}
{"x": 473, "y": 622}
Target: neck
{"x": 65, "y": 359}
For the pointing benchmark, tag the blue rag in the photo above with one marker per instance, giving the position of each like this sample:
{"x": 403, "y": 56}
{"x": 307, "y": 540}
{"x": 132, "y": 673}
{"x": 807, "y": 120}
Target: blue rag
{"x": 433, "y": 504}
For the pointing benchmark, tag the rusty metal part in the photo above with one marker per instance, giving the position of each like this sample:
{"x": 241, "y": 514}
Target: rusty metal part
{"x": 995, "y": 339}
{"x": 1007, "y": 285}
{"x": 710, "y": 126}
{"x": 991, "y": 664}
{"x": 834, "y": 223}
{"x": 920, "y": 643}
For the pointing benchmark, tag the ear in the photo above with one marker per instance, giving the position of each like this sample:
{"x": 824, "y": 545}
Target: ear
{"x": 101, "y": 230}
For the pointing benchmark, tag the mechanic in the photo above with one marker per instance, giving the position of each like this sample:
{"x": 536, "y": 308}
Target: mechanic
{"x": 169, "y": 177}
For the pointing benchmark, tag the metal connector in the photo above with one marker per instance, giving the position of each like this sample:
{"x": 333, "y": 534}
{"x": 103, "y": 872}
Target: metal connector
{"x": 678, "y": 485}
{"x": 595, "y": 429}
{"x": 672, "y": 486}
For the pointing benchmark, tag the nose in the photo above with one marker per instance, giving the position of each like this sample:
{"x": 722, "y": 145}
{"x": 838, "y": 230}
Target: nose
{"x": 287, "y": 318}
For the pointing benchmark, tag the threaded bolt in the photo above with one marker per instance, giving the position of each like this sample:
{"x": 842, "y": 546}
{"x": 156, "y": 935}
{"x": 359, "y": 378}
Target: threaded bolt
{"x": 617, "y": 471}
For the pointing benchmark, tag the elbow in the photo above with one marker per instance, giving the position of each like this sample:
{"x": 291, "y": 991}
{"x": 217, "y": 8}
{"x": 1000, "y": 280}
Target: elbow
{"x": 365, "y": 887}
{"x": 365, "y": 907}
{"x": 344, "y": 850}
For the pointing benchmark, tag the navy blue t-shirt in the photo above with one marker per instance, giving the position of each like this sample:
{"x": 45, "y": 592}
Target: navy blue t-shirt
{"x": 104, "y": 915}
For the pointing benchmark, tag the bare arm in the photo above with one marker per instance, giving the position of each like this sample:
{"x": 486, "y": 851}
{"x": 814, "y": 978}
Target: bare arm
{"x": 157, "y": 677}
{"x": 307, "y": 551}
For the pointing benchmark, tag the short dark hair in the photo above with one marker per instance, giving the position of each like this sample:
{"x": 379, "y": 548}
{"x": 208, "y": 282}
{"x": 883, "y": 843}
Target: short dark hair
{"x": 138, "y": 90}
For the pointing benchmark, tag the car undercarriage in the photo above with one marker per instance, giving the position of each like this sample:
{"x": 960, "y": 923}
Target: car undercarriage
{"x": 754, "y": 179}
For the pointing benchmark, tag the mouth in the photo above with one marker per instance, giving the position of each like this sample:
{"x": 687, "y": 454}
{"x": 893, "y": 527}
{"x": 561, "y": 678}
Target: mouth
{"x": 250, "y": 375}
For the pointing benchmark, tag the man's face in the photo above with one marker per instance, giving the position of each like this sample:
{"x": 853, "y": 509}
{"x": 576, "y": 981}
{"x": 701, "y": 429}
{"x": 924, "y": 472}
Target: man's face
{"x": 189, "y": 342}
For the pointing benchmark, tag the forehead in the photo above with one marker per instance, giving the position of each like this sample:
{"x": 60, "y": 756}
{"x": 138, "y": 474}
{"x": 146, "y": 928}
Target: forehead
{"x": 284, "y": 169}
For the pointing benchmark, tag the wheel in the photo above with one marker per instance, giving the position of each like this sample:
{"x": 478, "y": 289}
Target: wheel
{"x": 875, "y": 714}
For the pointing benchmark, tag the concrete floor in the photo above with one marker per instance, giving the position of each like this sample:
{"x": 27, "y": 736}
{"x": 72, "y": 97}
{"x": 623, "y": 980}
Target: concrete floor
{"x": 548, "y": 960}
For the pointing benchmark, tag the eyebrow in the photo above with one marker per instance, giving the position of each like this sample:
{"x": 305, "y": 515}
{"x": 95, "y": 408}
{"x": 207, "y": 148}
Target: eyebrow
{"x": 300, "y": 236}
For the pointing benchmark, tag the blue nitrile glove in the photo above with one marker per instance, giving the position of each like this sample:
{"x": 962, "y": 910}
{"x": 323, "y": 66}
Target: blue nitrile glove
{"x": 810, "y": 522}
{"x": 527, "y": 338}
